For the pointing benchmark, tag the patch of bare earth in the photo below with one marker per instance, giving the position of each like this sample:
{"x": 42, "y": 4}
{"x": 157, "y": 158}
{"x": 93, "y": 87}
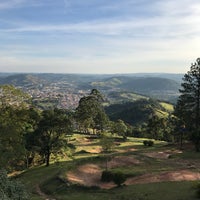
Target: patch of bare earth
{"x": 95, "y": 150}
{"x": 161, "y": 154}
{"x": 120, "y": 161}
{"x": 88, "y": 175}
{"x": 126, "y": 150}
{"x": 181, "y": 175}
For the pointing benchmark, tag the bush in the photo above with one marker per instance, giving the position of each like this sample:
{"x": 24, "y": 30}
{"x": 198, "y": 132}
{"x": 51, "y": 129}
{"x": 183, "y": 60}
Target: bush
{"x": 119, "y": 178}
{"x": 148, "y": 143}
{"x": 106, "y": 176}
{"x": 11, "y": 189}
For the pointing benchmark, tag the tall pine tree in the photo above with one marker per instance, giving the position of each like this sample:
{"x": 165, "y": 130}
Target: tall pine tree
{"x": 188, "y": 104}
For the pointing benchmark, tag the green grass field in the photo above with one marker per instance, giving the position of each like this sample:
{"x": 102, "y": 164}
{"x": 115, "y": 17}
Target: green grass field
{"x": 152, "y": 161}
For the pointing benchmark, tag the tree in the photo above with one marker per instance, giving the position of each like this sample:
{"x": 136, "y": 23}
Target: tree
{"x": 120, "y": 128}
{"x": 188, "y": 104}
{"x": 15, "y": 123}
{"x": 90, "y": 112}
{"x": 155, "y": 127}
{"x": 33, "y": 117}
{"x": 49, "y": 137}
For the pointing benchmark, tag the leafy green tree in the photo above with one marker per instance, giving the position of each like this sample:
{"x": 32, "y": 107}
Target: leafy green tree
{"x": 120, "y": 128}
{"x": 90, "y": 112}
{"x": 106, "y": 142}
{"x": 156, "y": 127}
{"x": 188, "y": 104}
{"x": 33, "y": 117}
{"x": 11, "y": 189}
{"x": 14, "y": 124}
{"x": 50, "y": 135}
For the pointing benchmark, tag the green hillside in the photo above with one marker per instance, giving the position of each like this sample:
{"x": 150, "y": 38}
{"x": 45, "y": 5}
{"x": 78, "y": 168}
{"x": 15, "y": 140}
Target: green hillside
{"x": 156, "y": 87}
{"x": 22, "y": 80}
{"x": 150, "y": 174}
{"x": 124, "y": 96}
{"x": 138, "y": 112}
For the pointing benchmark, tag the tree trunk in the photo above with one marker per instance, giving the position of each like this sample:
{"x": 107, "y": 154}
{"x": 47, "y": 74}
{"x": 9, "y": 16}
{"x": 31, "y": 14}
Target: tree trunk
{"x": 47, "y": 157}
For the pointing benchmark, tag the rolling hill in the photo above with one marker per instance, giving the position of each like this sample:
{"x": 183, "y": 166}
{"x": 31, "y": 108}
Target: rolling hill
{"x": 156, "y": 87}
{"x": 138, "y": 112}
{"x": 116, "y": 88}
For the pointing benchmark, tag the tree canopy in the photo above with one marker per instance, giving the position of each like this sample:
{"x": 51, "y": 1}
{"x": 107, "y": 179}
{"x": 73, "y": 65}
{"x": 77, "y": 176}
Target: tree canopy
{"x": 90, "y": 112}
{"x": 50, "y": 134}
{"x": 188, "y": 105}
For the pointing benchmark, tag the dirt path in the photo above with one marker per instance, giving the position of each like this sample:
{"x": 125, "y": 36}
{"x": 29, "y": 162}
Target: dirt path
{"x": 90, "y": 175}
{"x": 181, "y": 175}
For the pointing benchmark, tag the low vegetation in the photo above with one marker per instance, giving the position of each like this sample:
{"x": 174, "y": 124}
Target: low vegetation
{"x": 80, "y": 177}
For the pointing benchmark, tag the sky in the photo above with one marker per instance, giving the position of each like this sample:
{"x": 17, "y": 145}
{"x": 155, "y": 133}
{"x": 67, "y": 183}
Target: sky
{"x": 99, "y": 36}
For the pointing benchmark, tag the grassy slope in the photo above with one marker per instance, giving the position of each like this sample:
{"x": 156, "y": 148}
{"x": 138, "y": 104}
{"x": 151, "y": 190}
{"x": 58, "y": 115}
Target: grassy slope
{"x": 47, "y": 177}
{"x": 153, "y": 191}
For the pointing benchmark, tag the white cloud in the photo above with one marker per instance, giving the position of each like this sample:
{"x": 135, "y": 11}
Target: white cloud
{"x": 8, "y": 4}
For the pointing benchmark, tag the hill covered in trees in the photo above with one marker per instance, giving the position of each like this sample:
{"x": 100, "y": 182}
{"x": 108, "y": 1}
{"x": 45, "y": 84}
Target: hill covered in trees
{"x": 138, "y": 112}
{"x": 65, "y": 90}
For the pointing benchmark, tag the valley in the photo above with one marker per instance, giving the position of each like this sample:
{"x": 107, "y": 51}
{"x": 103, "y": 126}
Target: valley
{"x": 65, "y": 90}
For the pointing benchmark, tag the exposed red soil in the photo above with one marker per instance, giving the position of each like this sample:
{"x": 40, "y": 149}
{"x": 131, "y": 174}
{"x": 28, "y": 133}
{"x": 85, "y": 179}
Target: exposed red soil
{"x": 181, "y": 175}
{"x": 120, "y": 161}
{"x": 161, "y": 154}
{"x": 90, "y": 175}
{"x": 95, "y": 150}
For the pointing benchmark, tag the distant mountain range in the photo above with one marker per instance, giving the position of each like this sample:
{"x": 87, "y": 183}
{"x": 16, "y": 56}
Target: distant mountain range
{"x": 126, "y": 87}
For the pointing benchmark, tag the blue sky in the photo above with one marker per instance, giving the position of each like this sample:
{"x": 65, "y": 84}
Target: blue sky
{"x": 99, "y": 36}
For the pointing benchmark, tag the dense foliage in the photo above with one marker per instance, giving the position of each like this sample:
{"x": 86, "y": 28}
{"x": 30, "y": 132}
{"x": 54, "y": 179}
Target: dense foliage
{"x": 29, "y": 135}
{"x": 188, "y": 105}
{"x": 90, "y": 112}
{"x": 133, "y": 112}
{"x": 11, "y": 189}
{"x": 50, "y": 135}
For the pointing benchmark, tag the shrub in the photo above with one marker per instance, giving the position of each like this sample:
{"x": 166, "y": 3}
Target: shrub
{"x": 106, "y": 176}
{"x": 148, "y": 143}
{"x": 119, "y": 178}
{"x": 11, "y": 189}
{"x": 145, "y": 142}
